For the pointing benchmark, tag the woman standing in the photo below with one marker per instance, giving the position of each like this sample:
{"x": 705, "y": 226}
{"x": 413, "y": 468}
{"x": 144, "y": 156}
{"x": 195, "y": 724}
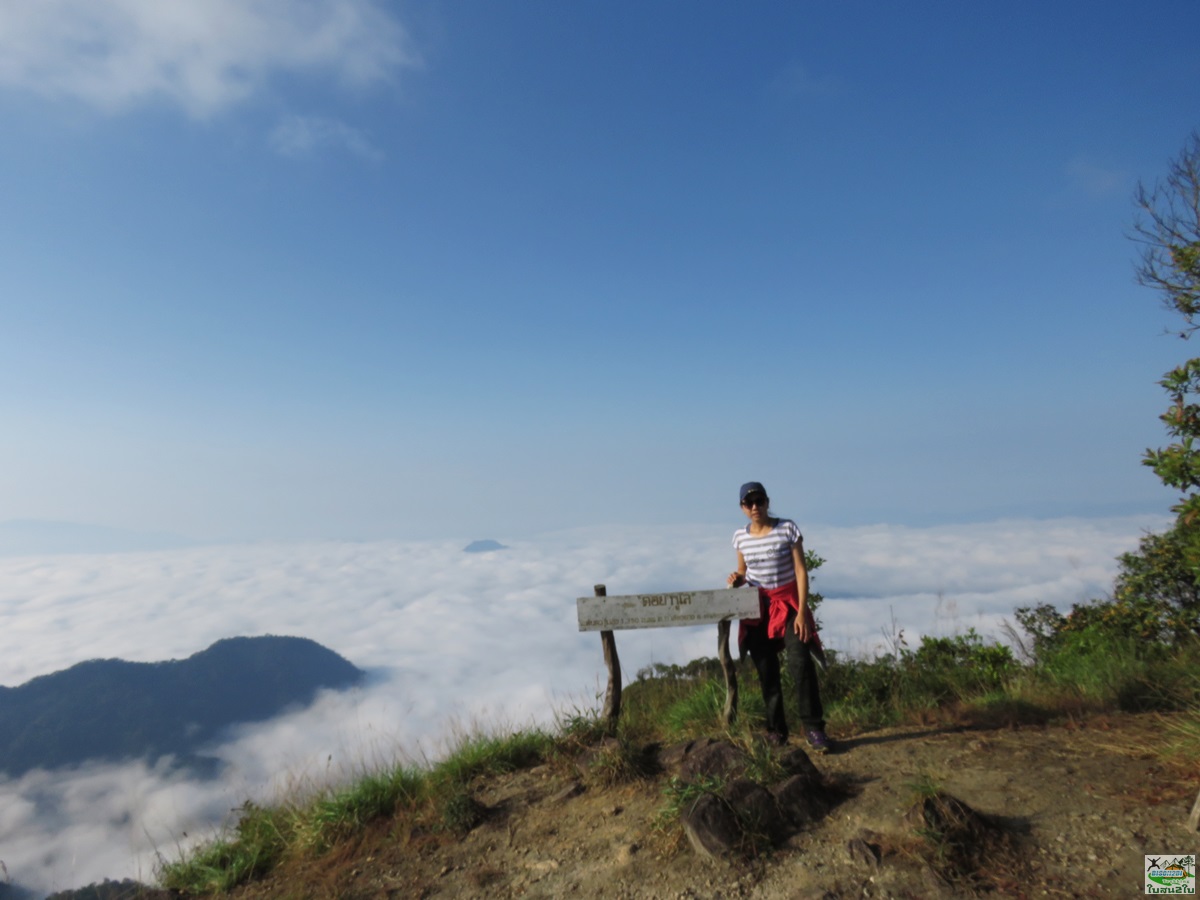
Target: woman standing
{"x": 770, "y": 556}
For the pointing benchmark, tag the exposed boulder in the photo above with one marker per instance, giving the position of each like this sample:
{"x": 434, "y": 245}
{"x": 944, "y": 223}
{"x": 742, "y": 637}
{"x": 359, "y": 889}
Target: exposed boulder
{"x": 735, "y": 815}
{"x": 801, "y": 800}
{"x": 712, "y": 827}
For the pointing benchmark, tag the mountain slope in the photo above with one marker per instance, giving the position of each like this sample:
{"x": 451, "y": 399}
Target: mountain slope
{"x": 110, "y": 709}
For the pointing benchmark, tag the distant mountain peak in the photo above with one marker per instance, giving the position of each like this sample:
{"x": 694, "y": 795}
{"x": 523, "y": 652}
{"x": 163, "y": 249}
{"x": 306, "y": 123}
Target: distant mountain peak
{"x": 485, "y": 546}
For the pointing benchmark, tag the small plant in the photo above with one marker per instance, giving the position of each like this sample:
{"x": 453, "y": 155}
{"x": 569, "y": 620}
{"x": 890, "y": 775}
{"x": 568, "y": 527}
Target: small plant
{"x": 923, "y": 786}
{"x": 620, "y": 761}
{"x": 682, "y": 795}
{"x": 762, "y": 762}
{"x": 457, "y": 809}
{"x": 579, "y": 729}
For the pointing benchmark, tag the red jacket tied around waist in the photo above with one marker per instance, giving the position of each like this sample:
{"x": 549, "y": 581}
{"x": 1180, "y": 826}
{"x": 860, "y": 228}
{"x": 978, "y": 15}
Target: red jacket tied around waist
{"x": 776, "y": 605}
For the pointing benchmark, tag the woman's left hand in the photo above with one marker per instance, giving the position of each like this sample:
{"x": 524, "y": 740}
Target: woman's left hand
{"x": 801, "y": 625}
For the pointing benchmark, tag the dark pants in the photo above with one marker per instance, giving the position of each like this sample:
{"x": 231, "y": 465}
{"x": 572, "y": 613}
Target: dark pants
{"x": 765, "y": 653}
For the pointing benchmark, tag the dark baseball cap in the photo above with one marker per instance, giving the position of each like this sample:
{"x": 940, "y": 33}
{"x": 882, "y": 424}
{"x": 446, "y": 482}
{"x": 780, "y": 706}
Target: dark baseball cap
{"x": 751, "y": 487}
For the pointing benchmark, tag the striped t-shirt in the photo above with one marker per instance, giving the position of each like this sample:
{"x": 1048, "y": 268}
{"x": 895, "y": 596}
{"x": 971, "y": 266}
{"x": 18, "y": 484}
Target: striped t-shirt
{"x": 769, "y": 557}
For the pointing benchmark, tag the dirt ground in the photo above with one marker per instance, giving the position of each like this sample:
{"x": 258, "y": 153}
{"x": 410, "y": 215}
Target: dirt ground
{"x": 1078, "y": 805}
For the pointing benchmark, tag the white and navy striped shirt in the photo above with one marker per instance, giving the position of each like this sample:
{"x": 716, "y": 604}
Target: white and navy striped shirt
{"x": 769, "y": 557}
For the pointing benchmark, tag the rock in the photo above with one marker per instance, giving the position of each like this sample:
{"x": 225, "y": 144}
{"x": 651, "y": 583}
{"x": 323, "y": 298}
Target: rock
{"x": 796, "y": 762}
{"x": 670, "y": 757}
{"x": 962, "y": 846}
{"x": 574, "y": 789}
{"x": 862, "y": 852}
{"x": 755, "y": 809}
{"x": 711, "y": 827}
{"x": 800, "y": 800}
{"x": 743, "y": 815}
{"x": 719, "y": 759}
{"x": 946, "y": 815}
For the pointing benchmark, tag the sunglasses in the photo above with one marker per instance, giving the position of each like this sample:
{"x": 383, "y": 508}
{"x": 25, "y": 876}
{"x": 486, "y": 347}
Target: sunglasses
{"x": 755, "y": 500}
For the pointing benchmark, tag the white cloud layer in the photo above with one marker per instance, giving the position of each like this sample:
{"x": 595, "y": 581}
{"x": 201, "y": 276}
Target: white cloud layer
{"x": 451, "y": 639}
{"x": 114, "y": 54}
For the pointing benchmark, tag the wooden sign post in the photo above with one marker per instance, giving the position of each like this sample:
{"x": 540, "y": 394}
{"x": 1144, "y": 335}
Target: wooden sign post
{"x": 607, "y": 614}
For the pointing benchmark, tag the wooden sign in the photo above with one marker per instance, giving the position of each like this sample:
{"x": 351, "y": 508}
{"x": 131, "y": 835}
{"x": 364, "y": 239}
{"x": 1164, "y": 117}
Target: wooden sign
{"x": 666, "y": 610}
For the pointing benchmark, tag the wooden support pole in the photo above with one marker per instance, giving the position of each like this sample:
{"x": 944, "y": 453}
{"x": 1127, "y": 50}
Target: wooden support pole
{"x": 1194, "y": 818}
{"x": 612, "y": 697}
{"x": 727, "y": 666}
{"x": 608, "y": 614}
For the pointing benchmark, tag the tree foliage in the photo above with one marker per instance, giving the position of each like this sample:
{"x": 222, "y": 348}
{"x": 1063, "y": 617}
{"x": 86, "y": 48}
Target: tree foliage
{"x": 812, "y": 562}
{"x": 1159, "y": 588}
{"x": 1156, "y": 598}
{"x": 1155, "y": 601}
{"x": 1168, "y": 228}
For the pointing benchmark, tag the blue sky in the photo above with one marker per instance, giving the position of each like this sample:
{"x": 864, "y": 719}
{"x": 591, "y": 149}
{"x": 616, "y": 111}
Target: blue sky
{"x": 351, "y": 269}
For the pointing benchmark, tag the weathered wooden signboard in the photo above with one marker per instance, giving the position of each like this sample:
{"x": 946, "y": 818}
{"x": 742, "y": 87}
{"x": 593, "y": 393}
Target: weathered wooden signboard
{"x": 666, "y": 610}
{"x": 607, "y": 614}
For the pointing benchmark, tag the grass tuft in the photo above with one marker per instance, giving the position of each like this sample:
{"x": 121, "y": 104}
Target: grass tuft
{"x": 258, "y": 842}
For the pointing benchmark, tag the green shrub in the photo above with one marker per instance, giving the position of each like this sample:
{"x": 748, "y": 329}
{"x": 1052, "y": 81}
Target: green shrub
{"x": 696, "y": 712}
{"x": 885, "y": 689}
{"x": 1157, "y": 589}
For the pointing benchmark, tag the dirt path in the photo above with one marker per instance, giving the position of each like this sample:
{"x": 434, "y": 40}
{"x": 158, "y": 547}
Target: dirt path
{"x": 1080, "y": 804}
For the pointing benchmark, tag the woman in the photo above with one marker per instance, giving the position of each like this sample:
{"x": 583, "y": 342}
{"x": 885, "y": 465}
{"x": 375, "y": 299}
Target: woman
{"x": 770, "y": 556}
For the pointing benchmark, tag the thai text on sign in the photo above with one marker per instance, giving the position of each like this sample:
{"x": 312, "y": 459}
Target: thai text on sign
{"x": 666, "y": 610}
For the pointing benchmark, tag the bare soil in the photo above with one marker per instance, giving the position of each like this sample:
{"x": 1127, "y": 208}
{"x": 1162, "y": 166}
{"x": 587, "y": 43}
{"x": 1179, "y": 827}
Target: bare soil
{"x": 1069, "y": 809}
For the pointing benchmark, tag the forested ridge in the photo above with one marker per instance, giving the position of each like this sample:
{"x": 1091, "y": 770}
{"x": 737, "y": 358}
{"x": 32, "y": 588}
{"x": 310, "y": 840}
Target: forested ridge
{"x": 111, "y": 709}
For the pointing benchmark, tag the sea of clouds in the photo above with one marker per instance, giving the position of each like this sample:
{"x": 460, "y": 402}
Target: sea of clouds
{"x": 453, "y": 642}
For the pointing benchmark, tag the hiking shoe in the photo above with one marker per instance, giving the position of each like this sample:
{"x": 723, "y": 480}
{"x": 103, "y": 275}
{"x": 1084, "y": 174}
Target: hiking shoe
{"x": 817, "y": 740}
{"x": 775, "y": 739}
